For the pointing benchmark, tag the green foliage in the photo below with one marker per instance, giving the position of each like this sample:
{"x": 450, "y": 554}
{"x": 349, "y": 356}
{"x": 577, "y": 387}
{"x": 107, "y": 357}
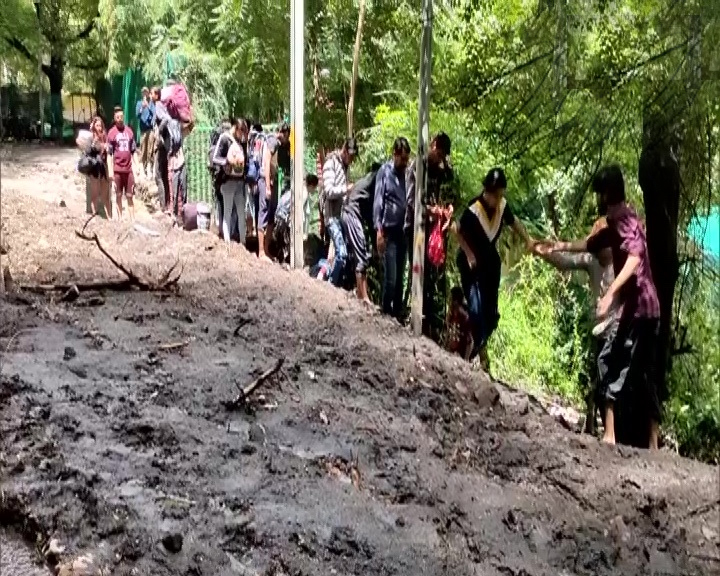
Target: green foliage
{"x": 540, "y": 344}
{"x": 693, "y": 410}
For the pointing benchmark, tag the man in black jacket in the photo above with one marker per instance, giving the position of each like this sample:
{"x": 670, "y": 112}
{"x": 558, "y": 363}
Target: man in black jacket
{"x": 357, "y": 214}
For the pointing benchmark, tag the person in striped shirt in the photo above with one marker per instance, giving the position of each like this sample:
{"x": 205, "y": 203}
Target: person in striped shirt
{"x": 335, "y": 186}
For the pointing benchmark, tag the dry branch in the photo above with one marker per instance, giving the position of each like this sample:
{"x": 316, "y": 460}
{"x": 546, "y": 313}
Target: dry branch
{"x": 241, "y": 398}
{"x": 166, "y": 282}
{"x": 172, "y": 346}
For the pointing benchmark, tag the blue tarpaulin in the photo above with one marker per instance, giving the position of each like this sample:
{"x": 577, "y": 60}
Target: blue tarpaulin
{"x": 705, "y": 231}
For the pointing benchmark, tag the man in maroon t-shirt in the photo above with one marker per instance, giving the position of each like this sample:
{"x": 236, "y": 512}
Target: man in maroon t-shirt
{"x": 122, "y": 146}
{"x": 627, "y": 366}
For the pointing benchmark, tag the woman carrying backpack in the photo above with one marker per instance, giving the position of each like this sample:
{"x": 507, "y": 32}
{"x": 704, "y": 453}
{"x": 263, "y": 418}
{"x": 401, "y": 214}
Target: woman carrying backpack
{"x": 230, "y": 156}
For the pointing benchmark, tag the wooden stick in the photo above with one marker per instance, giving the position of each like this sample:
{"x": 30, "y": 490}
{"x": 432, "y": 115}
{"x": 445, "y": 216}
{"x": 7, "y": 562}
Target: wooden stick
{"x": 173, "y": 346}
{"x": 250, "y": 388}
{"x": 82, "y": 287}
{"x": 94, "y": 238}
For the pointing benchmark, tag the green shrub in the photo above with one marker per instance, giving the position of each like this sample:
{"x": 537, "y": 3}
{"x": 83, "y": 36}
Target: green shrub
{"x": 540, "y": 345}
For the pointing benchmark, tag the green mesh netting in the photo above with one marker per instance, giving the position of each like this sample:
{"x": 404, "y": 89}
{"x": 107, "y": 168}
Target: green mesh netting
{"x": 121, "y": 90}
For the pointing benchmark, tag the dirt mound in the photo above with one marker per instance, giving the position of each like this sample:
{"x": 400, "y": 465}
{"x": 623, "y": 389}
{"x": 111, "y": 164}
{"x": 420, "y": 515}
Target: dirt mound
{"x": 369, "y": 453}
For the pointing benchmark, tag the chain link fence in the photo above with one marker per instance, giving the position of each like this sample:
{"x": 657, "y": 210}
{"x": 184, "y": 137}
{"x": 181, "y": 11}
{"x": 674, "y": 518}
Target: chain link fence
{"x": 196, "y": 147}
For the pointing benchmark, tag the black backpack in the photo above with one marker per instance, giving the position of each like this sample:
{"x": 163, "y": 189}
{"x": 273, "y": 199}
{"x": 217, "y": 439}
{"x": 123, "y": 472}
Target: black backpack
{"x": 214, "y": 138}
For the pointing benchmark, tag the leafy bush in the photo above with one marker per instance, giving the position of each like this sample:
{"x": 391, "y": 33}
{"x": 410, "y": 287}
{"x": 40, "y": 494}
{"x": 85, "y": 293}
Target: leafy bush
{"x": 539, "y": 344}
{"x": 693, "y": 409}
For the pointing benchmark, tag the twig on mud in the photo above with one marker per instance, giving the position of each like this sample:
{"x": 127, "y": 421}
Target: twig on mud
{"x": 82, "y": 287}
{"x": 244, "y": 322}
{"x": 173, "y": 346}
{"x": 12, "y": 339}
{"x": 705, "y": 558}
{"x": 117, "y": 316}
{"x": 241, "y": 398}
{"x": 178, "y": 499}
{"x": 702, "y": 508}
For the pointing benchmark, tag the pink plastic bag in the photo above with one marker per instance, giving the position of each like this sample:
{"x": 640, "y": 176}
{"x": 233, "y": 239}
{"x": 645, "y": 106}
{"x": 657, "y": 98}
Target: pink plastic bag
{"x": 436, "y": 246}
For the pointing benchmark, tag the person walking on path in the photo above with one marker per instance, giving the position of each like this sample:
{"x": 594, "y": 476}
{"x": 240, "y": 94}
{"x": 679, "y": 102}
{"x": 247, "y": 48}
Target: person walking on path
{"x": 478, "y": 260}
{"x": 230, "y": 156}
{"x": 275, "y": 157}
{"x": 161, "y": 157}
{"x": 627, "y": 370}
{"x": 98, "y": 181}
{"x": 121, "y": 147}
{"x": 439, "y": 204}
{"x": 357, "y": 215}
{"x": 389, "y": 207}
{"x": 145, "y": 111}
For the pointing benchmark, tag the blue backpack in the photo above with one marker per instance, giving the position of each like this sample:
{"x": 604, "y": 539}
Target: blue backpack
{"x": 256, "y": 143}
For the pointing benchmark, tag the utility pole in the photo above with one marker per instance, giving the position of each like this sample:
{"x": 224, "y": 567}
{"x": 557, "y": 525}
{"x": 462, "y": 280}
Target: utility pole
{"x": 297, "y": 129}
{"x": 418, "y": 270}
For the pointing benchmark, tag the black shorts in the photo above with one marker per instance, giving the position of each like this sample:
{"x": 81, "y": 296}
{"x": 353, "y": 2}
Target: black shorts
{"x": 627, "y": 364}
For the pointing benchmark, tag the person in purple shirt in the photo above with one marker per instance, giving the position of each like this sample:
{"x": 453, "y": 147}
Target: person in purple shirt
{"x": 627, "y": 369}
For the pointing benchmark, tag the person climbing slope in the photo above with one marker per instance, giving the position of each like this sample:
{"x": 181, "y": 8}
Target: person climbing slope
{"x": 599, "y": 268}
{"x": 389, "y": 207}
{"x": 357, "y": 217}
{"x": 335, "y": 186}
{"x": 477, "y": 231}
{"x": 628, "y": 379}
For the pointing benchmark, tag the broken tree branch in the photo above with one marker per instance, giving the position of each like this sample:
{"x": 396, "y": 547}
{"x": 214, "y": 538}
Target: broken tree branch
{"x": 82, "y": 287}
{"x": 165, "y": 283}
{"x": 90, "y": 66}
{"x": 20, "y": 47}
{"x": 168, "y": 280}
{"x": 85, "y": 32}
{"x": 241, "y": 398}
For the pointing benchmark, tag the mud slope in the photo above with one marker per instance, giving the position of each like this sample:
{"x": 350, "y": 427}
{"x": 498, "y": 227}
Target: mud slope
{"x": 372, "y": 453}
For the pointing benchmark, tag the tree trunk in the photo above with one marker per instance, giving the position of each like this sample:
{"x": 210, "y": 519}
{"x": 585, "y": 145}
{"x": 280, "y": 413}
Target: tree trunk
{"x": 659, "y": 178}
{"x": 55, "y": 73}
{"x": 356, "y": 65}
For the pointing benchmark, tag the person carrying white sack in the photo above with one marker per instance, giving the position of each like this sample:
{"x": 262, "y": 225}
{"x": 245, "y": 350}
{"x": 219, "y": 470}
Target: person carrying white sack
{"x": 230, "y": 154}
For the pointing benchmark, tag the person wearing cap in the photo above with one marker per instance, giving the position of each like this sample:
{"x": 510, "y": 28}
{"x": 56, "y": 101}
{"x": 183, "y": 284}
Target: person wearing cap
{"x": 335, "y": 187}
{"x": 145, "y": 111}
